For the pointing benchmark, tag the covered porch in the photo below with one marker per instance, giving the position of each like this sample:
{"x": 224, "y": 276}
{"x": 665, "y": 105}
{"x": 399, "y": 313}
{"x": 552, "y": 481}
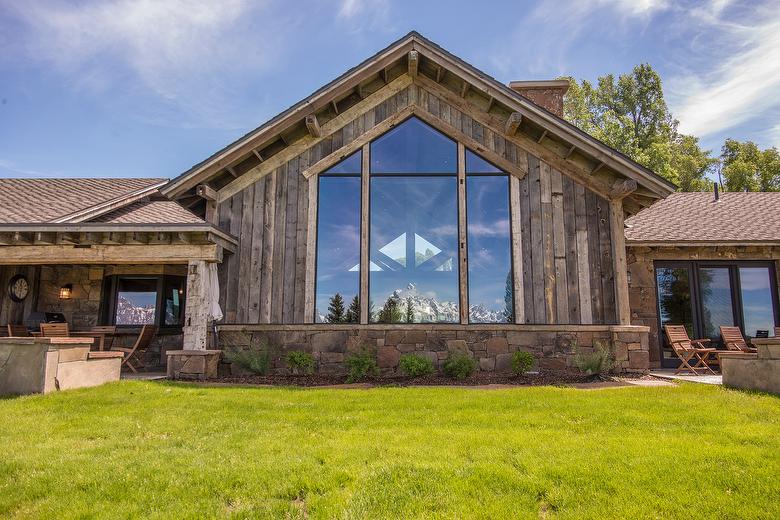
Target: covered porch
{"x": 107, "y": 281}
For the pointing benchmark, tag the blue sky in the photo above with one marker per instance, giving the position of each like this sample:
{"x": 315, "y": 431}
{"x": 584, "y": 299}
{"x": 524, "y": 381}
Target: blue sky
{"x": 148, "y": 88}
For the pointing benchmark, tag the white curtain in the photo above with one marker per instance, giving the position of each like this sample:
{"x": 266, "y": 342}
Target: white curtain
{"x": 211, "y": 283}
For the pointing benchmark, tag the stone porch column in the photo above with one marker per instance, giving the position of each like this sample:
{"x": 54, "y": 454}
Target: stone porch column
{"x": 196, "y": 316}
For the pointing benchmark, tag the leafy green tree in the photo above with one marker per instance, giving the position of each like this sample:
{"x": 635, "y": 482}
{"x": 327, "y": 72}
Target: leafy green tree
{"x": 629, "y": 113}
{"x": 353, "y": 312}
{"x": 335, "y": 309}
{"x": 745, "y": 167}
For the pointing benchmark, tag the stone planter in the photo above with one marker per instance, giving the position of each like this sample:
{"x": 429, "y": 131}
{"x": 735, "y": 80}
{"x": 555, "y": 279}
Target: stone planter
{"x": 193, "y": 364}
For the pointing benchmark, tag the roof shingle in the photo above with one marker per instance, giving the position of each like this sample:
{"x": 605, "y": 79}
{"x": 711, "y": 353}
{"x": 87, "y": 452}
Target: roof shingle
{"x": 150, "y": 212}
{"x": 697, "y": 217}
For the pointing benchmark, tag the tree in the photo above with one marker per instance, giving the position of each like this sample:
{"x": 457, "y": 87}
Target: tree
{"x": 335, "y": 309}
{"x": 391, "y": 312}
{"x": 353, "y": 312}
{"x": 409, "y": 310}
{"x": 746, "y": 167}
{"x": 630, "y": 114}
{"x": 509, "y": 307}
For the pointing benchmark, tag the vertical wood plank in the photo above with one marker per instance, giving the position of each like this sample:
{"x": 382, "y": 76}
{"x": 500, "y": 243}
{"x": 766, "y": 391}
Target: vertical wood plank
{"x": 607, "y": 262}
{"x": 269, "y": 228}
{"x": 570, "y": 230}
{"x": 364, "y": 251}
{"x": 277, "y": 273}
{"x": 583, "y": 251}
{"x": 545, "y": 180}
{"x": 231, "y": 302}
{"x": 301, "y": 243}
{"x": 290, "y": 240}
{"x": 258, "y": 213}
{"x": 517, "y": 248}
{"x": 536, "y": 244}
{"x": 559, "y": 248}
{"x": 462, "y": 247}
{"x": 617, "y": 228}
{"x": 594, "y": 255}
{"x": 525, "y": 234}
{"x": 311, "y": 250}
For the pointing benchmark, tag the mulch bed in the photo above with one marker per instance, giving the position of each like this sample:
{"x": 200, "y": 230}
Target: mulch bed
{"x": 544, "y": 377}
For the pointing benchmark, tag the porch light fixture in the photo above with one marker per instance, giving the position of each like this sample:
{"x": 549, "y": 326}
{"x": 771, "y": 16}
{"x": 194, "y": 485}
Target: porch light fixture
{"x": 66, "y": 291}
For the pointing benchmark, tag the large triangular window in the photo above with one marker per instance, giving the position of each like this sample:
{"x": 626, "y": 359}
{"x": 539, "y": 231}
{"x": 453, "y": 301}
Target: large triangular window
{"x": 413, "y": 147}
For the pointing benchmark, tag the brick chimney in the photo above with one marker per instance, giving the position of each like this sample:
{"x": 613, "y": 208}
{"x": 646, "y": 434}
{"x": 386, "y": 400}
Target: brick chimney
{"x": 546, "y": 94}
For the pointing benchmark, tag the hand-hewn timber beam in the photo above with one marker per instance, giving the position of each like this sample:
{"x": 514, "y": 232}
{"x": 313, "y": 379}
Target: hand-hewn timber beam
{"x": 440, "y": 71}
{"x": 464, "y": 89}
{"x": 513, "y": 123}
{"x": 257, "y": 154}
{"x": 414, "y": 63}
{"x": 231, "y": 171}
{"x": 210, "y": 194}
{"x": 334, "y": 106}
{"x": 622, "y": 188}
{"x": 271, "y": 163}
{"x": 541, "y": 137}
{"x": 207, "y": 192}
{"x": 617, "y": 229}
{"x": 108, "y": 254}
{"x": 313, "y": 125}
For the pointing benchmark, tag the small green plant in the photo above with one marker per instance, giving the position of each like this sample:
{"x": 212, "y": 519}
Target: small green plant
{"x": 361, "y": 365}
{"x": 522, "y": 362}
{"x": 299, "y": 362}
{"x": 256, "y": 361}
{"x": 595, "y": 363}
{"x": 415, "y": 366}
{"x": 459, "y": 365}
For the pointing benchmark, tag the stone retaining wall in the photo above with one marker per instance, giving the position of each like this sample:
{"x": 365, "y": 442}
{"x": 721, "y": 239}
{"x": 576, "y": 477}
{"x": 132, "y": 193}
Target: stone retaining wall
{"x": 552, "y": 347}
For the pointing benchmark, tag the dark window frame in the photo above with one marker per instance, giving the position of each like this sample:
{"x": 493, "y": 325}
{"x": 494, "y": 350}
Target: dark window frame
{"x": 697, "y": 313}
{"x": 109, "y": 300}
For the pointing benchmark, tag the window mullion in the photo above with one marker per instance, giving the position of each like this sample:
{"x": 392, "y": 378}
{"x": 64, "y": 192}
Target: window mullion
{"x": 364, "y": 222}
{"x": 462, "y": 249}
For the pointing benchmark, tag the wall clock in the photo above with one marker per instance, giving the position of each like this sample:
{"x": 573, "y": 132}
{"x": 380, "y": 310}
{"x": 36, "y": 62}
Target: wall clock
{"x": 18, "y": 288}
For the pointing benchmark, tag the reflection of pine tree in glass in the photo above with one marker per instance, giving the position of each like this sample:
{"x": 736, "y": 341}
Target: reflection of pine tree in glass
{"x": 409, "y": 310}
{"x": 353, "y": 312}
{"x": 391, "y": 312}
{"x": 335, "y": 309}
{"x": 509, "y": 307}
{"x": 675, "y": 297}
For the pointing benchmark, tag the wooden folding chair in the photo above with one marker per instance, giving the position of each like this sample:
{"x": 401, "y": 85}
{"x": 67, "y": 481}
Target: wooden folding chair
{"x": 689, "y": 350}
{"x": 733, "y": 339}
{"x": 135, "y": 354}
{"x": 60, "y": 330}
{"x": 16, "y": 330}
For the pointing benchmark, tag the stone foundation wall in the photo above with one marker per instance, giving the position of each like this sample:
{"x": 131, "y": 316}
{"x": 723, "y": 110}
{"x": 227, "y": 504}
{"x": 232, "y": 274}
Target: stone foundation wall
{"x": 552, "y": 347}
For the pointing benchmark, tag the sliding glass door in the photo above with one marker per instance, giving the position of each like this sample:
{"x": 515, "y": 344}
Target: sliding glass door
{"x": 703, "y": 296}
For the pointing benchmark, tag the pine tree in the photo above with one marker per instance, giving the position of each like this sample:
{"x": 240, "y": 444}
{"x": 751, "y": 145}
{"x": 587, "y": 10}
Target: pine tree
{"x": 391, "y": 312}
{"x": 335, "y": 309}
{"x": 509, "y": 307}
{"x": 353, "y": 312}
{"x": 409, "y": 310}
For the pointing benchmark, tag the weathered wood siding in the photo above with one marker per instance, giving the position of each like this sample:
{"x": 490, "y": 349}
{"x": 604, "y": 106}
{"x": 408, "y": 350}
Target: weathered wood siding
{"x": 567, "y": 266}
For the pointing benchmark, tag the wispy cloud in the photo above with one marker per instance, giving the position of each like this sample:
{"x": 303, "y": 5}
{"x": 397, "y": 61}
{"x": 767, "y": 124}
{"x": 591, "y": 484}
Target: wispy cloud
{"x": 745, "y": 81}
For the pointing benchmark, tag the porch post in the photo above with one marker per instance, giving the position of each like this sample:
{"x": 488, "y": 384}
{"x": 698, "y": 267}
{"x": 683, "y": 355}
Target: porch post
{"x": 617, "y": 227}
{"x": 196, "y": 315}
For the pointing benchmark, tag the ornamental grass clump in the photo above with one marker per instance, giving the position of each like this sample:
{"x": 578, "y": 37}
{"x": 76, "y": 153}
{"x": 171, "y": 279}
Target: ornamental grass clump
{"x": 299, "y": 362}
{"x": 255, "y": 361}
{"x": 361, "y": 365}
{"x": 522, "y": 362}
{"x": 596, "y": 363}
{"x": 414, "y": 365}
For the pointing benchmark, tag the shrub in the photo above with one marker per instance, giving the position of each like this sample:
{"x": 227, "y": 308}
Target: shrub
{"x": 300, "y": 362}
{"x": 361, "y": 365}
{"x": 522, "y": 362}
{"x": 459, "y": 365}
{"x": 600, "y": 361}
{"x": 256, "y": 361}
{"x": 415, "y": 366}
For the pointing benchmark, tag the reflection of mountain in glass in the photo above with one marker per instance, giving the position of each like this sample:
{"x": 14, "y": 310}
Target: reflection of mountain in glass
{"x": 127, "y": 313}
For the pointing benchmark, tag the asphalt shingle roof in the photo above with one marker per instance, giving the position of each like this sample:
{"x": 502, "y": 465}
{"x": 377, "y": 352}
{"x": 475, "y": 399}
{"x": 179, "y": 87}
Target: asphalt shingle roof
{"x": 150, "y": 212}
{"x": 697, "y": 217}
{"x": 44, "y": 200}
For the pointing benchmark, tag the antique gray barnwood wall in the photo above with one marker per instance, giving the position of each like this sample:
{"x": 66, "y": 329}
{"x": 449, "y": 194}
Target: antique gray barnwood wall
{"x": 561, "y": 228}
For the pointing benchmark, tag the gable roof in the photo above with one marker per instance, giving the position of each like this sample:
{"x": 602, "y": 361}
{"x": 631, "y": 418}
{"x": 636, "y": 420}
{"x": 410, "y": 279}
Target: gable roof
{"x": 68, "y": 200}
{"x": 697, "y": 218}
{"x": 280, "y": 131}
{"x": 150, "y": 212}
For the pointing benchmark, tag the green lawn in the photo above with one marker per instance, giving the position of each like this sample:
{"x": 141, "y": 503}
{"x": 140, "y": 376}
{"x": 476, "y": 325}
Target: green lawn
{"x": 168, "y": 450}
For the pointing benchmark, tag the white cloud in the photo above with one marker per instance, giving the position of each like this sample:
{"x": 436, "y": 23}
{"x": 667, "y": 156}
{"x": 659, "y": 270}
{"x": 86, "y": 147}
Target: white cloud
{"x": 743, "y": 84}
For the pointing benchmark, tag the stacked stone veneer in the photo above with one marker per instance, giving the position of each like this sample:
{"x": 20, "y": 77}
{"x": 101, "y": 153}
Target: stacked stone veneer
{"x": 492, "y": 347}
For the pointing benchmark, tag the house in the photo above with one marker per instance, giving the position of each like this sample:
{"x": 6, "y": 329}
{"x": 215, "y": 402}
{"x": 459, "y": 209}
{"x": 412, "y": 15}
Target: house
{"x": 447, "y": 210}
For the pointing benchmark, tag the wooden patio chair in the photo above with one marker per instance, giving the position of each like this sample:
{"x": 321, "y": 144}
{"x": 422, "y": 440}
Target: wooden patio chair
{"x": 16, "y": 330}
{"x": 733, "y": 339}
{"x": 134, "y": 355}
{"x": 688, "y": 350}
{"x": 60, "y": 330}
{"x": 777, "y": 332}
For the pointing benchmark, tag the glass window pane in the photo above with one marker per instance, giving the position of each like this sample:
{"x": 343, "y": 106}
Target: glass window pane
{"x": 136, "y": 301}
{"x": 757, "y": 305}
{"x": 674, "y": 300}
{"x": 717, "y": 308}
{"x": 416, "y": 148}
{"x": 489, "y": 250}
{"x": 338, "y": 245}
{"x": 414, "y": 249}
{"x": 476, "y": 164}
{"x": 349, "y": 166}
{"x": 173, "y": 300}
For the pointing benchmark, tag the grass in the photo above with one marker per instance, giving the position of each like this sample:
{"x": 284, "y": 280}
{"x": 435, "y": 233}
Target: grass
{"x": 170, "y": 450}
